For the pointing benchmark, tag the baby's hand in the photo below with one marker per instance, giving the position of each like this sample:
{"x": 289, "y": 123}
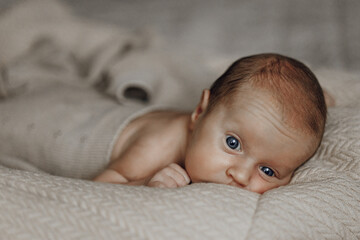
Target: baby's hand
{"x": 171, "y": 176}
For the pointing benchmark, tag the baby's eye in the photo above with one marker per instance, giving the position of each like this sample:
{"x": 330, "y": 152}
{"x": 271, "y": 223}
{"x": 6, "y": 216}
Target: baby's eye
{"x": 268, "y": 171}
{"x": 233, "y": 143}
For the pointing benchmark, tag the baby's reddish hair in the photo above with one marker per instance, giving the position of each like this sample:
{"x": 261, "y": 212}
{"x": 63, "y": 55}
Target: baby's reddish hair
{"x": 292, "y": 84}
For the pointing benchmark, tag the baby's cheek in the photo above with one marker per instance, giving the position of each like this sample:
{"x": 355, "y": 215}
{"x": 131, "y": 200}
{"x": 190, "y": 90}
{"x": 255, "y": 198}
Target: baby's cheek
{"x": 194, "y": 170}
{"x": 260, "y": 186}
{"x": 190, "y": 167}
{"x": 196, "y": 167}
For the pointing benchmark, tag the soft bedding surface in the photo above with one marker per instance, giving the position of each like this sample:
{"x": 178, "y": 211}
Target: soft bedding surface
{"x": 321, "y": 202}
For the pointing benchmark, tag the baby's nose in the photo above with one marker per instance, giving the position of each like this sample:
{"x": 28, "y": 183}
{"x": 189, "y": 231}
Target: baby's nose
{"x": 240, "y": 175}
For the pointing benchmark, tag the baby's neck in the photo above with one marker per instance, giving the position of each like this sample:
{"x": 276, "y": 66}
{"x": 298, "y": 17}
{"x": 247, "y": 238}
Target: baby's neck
{"x": 182, "y": 124}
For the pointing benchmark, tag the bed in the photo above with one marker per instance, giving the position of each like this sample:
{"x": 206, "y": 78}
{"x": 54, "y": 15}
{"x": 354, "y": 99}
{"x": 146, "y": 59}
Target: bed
{"x": 321, "y": 202}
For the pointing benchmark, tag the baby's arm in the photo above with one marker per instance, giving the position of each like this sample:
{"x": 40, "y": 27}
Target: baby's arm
{"x": 148, "y": 150}
{"x": 171, "y": 176}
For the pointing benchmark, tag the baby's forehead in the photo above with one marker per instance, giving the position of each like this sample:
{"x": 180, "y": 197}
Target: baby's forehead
{"x": 278, "y": 95}
{"x": 282, "y": 109}
{"x": 248, "y": 94}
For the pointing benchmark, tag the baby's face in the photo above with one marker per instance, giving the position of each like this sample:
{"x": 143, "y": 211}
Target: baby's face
{"x": 247, "y": 145}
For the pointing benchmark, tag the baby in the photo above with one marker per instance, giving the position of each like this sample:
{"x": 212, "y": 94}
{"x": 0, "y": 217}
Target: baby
{"x": 260, "y": 120}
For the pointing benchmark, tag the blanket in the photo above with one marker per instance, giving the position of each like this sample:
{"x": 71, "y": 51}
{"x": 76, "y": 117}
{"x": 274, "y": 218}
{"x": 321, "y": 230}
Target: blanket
{"x": 321, "y": 202}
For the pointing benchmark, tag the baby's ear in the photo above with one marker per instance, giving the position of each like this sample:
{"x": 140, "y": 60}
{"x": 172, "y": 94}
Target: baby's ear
{"x": 200, "y": 108}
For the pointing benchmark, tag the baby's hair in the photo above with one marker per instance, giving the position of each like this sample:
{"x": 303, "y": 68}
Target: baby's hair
{"x": 292, "y": 84}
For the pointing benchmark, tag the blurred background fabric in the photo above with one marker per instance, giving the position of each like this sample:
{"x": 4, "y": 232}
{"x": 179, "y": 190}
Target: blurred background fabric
{"x": 322, "y": 33}
{"x": 201, "y": 38}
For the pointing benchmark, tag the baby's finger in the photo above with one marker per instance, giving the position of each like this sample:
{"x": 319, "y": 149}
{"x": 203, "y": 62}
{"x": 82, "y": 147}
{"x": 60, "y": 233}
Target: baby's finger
{"x": 181, "y": 171}
{"x": 164, "y": 177}
{"x": 171, "y": 183}
{"x": 163, "y": 182}
{"x": 156, "y": 184}
{"x": 176, "y": 176}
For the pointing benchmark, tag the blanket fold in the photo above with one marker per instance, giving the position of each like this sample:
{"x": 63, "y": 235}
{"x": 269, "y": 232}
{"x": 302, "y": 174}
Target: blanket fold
{"x": 48, "y": 31}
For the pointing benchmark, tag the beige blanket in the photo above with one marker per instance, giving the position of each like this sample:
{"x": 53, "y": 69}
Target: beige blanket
{"x": 322, "y": 201}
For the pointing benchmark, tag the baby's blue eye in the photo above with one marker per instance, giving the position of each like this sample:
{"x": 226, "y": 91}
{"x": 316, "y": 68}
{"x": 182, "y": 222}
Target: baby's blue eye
{"x": 268, "y": 171}
{"x": 233, "y": 143}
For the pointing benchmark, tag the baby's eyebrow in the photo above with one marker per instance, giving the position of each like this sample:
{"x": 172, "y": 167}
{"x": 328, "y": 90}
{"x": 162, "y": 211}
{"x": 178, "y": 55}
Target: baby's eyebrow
{"x": 280, "y": 168}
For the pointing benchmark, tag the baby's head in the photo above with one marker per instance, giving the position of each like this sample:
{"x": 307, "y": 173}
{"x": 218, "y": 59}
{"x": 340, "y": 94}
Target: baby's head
{"x": 259, "y": 121}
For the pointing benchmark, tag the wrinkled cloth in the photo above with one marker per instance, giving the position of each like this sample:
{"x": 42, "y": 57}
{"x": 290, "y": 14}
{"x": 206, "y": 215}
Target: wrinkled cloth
{"x": 68, "y": 86}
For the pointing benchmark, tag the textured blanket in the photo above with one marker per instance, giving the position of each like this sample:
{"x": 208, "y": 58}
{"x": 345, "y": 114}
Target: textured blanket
{"x": 321, "y": 202}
